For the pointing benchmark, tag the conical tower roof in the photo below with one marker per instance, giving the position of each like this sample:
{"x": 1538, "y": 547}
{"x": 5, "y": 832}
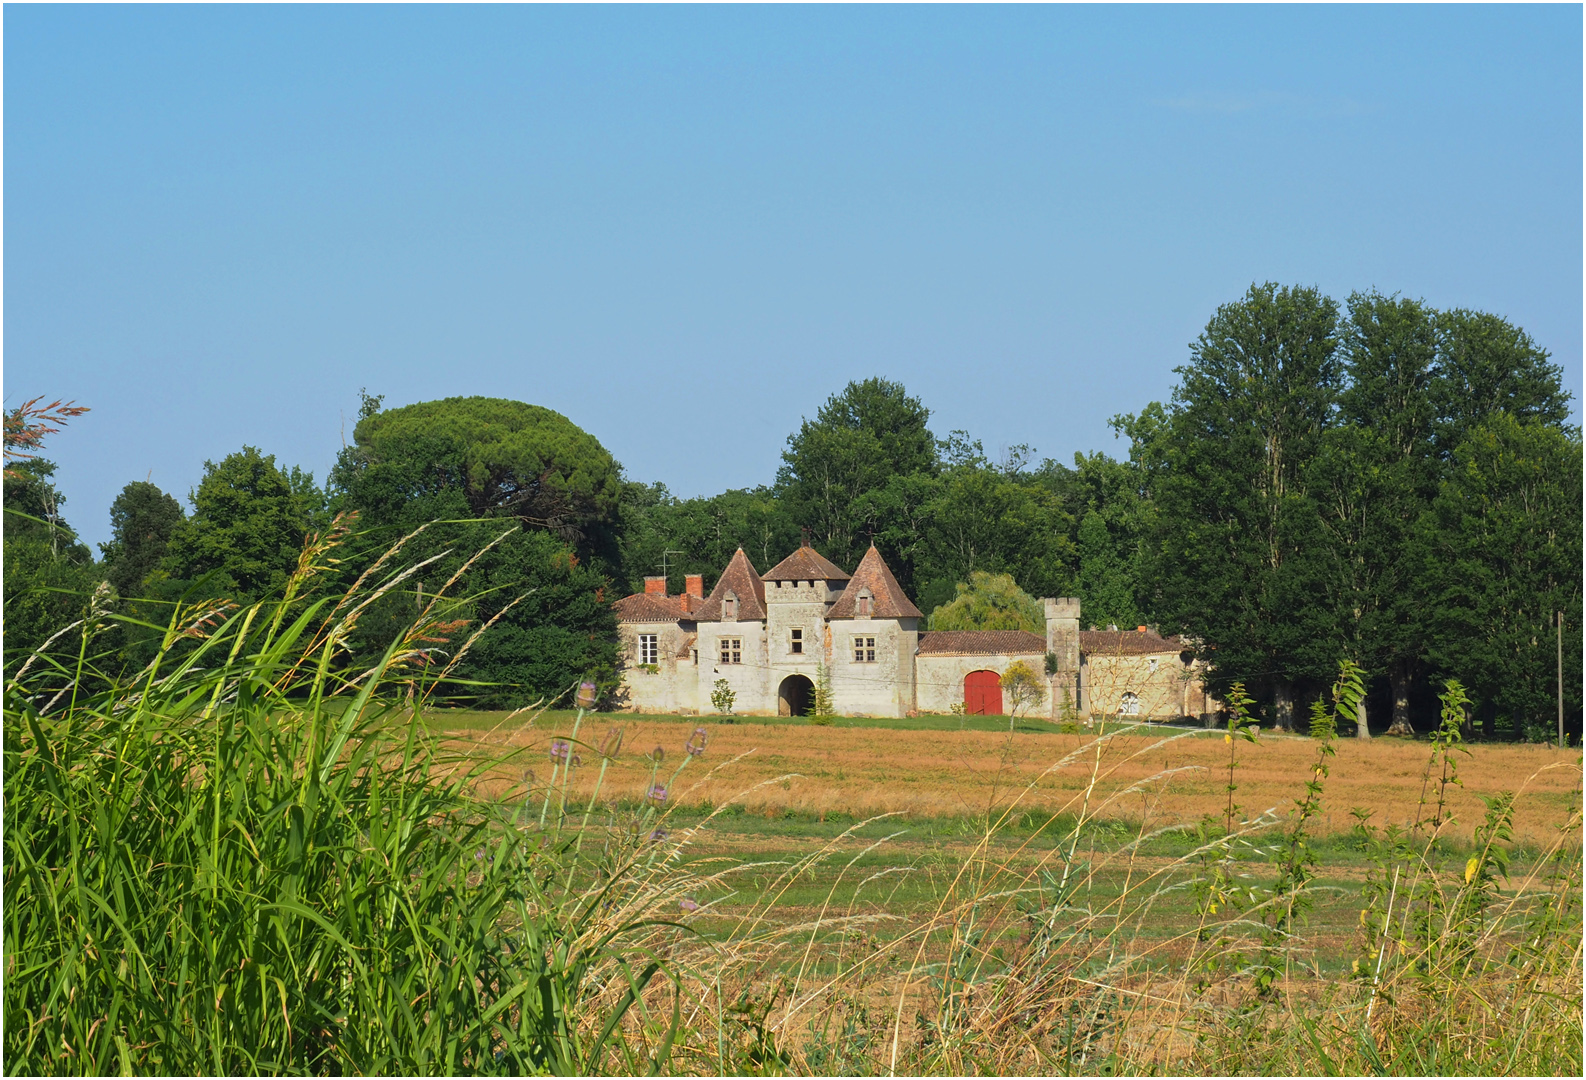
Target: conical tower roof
{"x": 739, "y": 579}
{"x": 887, "y": 598}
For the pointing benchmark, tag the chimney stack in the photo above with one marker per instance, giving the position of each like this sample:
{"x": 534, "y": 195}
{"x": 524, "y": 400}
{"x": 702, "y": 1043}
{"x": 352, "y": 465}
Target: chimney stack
{"x": 656, "y": 585}
{"x": 694, "y": 585}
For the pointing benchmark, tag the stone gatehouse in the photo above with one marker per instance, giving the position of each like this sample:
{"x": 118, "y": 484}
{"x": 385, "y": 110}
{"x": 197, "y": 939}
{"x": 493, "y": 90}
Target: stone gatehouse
{"x": 770, "y": 636}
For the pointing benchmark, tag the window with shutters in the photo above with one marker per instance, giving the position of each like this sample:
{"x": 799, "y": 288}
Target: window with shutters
{"x": 864, "y": 650}
{"x": 864, "y": 602}
{"x": 649, "y": 650}
{"x": 732, "y": 650}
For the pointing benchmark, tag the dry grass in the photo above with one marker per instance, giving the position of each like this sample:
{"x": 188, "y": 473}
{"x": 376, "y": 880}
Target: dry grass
{"x": 862, "y": 772}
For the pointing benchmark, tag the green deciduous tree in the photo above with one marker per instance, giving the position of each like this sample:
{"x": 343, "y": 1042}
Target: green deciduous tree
{"x": 475, "y": 457}
{"x": 49, "y": 573}
{"x": 540, "y": 497}
{"x": 861, "y": 438}
{"x": 1373, "y": 476}
{"x": 247, "y": 528}
{"x": 1497, "y": 553}
{"x": 1229, "y": 559}
{"x": 142, "y": 521}
{"x": 990, "y": 602}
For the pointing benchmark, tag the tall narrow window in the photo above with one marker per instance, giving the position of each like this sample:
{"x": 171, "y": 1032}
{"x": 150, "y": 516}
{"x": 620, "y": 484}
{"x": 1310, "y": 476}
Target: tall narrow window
{"x": 648, "y": 649}
{"x": 729, "y": 608}
{"x": 732, "y": 650}
{"x": 864, "y": 650}
{"x": 795, "y": 641}
{"x": 864, "y": 603}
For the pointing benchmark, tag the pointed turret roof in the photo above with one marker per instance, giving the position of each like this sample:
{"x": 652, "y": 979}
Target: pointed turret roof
{"x": 888, "y": 599}
{"x": 739, "y": 579}
{"x": 806, "y": 564}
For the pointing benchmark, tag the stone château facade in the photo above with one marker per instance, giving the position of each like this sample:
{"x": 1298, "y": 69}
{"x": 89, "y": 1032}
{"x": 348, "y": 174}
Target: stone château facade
{"x": 770, "y": 637}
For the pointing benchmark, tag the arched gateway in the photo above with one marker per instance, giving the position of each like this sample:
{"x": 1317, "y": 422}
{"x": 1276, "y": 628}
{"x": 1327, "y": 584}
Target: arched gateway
{"x": 983, "y": 693}
{"x": 795, "y": 696}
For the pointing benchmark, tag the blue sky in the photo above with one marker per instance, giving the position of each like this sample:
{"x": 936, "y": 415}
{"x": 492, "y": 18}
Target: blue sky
{"x": 684, "y": 228}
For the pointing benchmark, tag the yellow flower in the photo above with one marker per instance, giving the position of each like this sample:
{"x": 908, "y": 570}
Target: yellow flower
{"x": 1471, "y": 868}
{"x": 1228, "y": 738}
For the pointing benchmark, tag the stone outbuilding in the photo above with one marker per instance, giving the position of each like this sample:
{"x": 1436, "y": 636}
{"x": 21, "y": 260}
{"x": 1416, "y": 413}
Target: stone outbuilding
{"x": 772, "y": 638}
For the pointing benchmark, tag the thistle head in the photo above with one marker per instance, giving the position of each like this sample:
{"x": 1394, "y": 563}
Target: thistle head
{"x": 586, "y": 695}
{"x": 657, "y": 794}
{"x": 696, "y": 742}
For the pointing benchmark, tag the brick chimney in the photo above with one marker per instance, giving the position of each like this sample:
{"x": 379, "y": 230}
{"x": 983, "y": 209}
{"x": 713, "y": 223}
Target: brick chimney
{"x": 694, "y": 585}
{"x": 1140, "y": 629}
{"x": 656, "y": 585}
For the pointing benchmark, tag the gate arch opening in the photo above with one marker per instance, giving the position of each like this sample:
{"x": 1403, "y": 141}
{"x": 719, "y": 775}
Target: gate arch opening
{"x": 795, "y": 696}
{"x": 983, "y": 693}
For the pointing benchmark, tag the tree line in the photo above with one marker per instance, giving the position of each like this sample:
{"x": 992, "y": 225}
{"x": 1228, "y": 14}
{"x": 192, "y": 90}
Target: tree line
{"x": 1374, "y": 480}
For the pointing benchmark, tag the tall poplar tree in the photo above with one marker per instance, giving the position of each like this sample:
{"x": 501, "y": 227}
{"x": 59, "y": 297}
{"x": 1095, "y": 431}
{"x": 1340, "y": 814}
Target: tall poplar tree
{"x": 1229, "y": 559}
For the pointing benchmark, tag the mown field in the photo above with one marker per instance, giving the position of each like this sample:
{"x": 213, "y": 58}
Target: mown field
{"x": 884, "y": 847}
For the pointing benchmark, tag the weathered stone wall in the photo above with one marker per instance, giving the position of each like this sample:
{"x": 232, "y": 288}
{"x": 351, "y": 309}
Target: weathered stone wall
{"x": 883, "y": 687}
{"x": 674, "y": 685}
{"x": 1160, "y": 682}
{"x": 939, "y": 678}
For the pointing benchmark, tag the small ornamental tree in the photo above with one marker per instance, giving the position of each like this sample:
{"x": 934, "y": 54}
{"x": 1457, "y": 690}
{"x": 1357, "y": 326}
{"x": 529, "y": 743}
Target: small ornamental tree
{"x": 722, "y": 697}
{"x": 824, "y": 707}
{"x": 1023, "y": 687}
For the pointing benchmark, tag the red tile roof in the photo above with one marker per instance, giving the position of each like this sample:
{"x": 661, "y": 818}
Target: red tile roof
{"x": 981, "y": 643}
{"x": 1127, "y": 643}
{"x": 651, "y": 607}
{"x": 805, "y": 564}
{"x": 888, "y": 600}
{"x": 739, "y": 579}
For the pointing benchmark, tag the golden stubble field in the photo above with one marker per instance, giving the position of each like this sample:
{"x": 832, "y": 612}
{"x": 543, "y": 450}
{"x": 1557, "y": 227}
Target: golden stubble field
{"x": 1157, "y": 776}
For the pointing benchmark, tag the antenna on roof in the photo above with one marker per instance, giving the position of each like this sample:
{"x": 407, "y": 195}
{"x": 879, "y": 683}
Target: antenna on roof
{"x": 664, "y": 554}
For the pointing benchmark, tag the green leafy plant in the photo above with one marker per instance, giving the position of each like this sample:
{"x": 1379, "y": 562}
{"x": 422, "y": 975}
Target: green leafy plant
{"x": 722, "y": 697}
{"x": 823, "y": 709}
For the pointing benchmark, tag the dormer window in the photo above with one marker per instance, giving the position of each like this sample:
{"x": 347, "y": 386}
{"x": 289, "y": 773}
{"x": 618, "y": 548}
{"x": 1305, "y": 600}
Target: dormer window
{"x": 862, "y": 605}
{"x": 729, "y": 607}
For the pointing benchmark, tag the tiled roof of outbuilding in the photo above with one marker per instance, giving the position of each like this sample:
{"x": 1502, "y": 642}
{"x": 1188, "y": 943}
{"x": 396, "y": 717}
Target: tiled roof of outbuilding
{"x": 805, "y": 564}
{"x": 981, "y": 643}
{"x": 739, "y": 579}
{"x": 651, "y": 607}
{"x": 1127, "y": 643}
{"x": 889, "y": 602}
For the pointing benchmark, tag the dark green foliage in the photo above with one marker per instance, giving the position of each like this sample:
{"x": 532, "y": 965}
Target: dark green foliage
{"x": 860, "y": 439}
{"x": 1487, "y": 366}
{"x": 1497, "y": 554}
{"x": 700, "y": 533}
{"x": 537, "y": 495}
{"x": 142, "y": 521}
{"x": 248, "y": 524}
{"x": 1106, "y": 583}
{"x": 475, "y": 457}
{"x": 49, "y": 573}
{"x": 1229, "y": 466}
{"x": 561, "y": 631}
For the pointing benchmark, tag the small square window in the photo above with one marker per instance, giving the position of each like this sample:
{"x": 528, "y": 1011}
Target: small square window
{"x": 731, "y": 650}
{"x": 649, "y": 649}
{"x": 864, "y": 650}
{"x": 796, "y": 641}
{"x": 1151, "y": 664}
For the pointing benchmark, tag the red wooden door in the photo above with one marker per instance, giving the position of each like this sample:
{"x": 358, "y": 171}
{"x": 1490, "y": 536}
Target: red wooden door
{"x": 983, "y": 693}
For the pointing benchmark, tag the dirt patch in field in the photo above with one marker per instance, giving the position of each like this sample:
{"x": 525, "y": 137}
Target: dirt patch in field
{"x": 1162, "y": 780}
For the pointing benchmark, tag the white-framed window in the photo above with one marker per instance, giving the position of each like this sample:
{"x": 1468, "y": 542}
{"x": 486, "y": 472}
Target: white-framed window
{"x": 649, "y": 649}
{"x": 731, "y": 650}
{"x": 795, "y": 642}
{"x": 1129, "y": 704}
{"x": 1151, "y": 664}
{"x": 864, "y": 650}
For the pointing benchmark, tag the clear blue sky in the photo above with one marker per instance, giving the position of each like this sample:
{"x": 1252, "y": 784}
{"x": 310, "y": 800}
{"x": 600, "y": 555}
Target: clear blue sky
{"x": 685, "y": 227}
